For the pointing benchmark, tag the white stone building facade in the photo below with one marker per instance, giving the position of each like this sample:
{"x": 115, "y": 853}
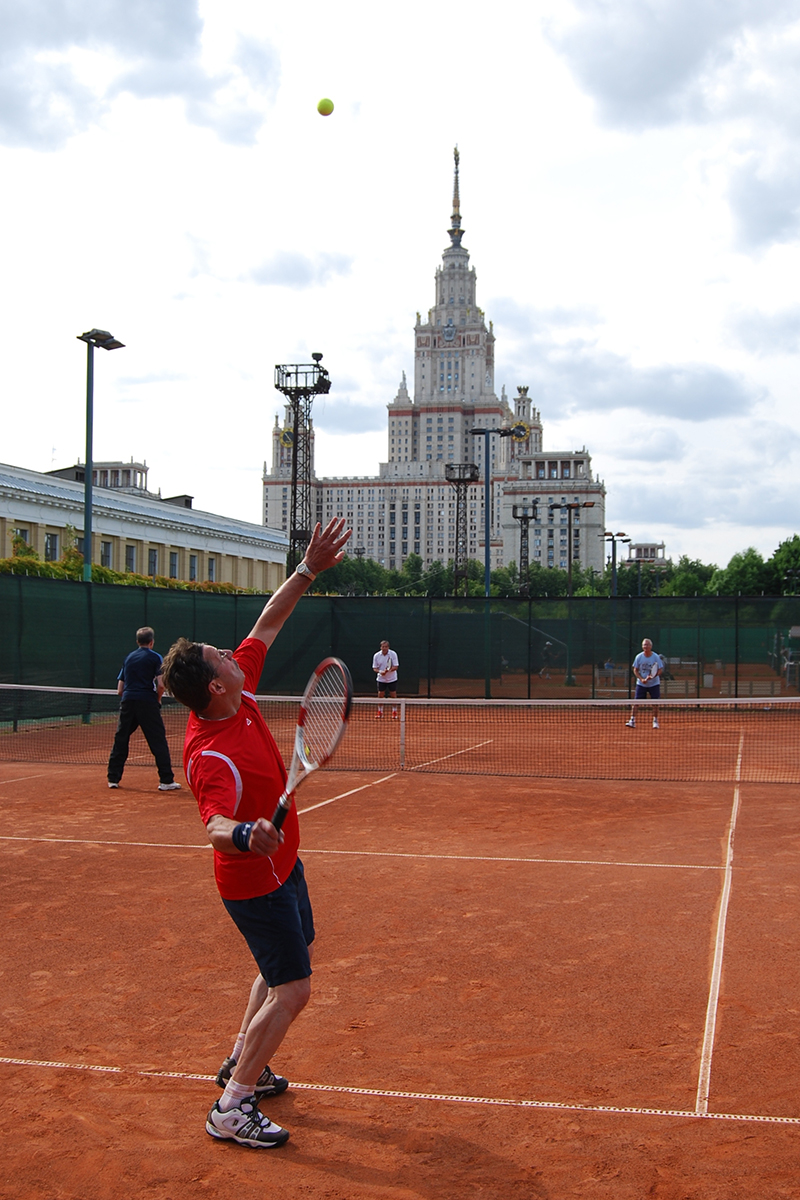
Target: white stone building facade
{"x": 135, "y": 530}
{"x": 409, "y": 507}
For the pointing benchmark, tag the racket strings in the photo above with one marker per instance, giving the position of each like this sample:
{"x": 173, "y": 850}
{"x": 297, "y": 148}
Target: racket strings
{"x": 325, "y": 713}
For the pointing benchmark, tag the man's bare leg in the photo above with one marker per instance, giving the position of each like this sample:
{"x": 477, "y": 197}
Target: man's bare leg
{"x": 267, "y": 1028}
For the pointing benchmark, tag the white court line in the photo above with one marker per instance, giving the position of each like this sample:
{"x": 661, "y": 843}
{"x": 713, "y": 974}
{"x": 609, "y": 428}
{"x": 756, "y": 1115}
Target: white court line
{"x": 20, "y": 778}
{"x": 455, "y": 754}
{"x": 352, "y": 792}
{"x": 704, "y": 1080}
{"x": 443, "y": 1097}
{"x": 7, "y": 837}
{"x": 577, "y": 862}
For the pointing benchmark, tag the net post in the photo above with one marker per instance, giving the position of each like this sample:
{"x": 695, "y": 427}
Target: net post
{"x": 402, "y": 735}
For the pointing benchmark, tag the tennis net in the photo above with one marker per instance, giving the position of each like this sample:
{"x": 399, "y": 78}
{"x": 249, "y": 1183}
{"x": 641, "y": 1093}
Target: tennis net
{"x": 754, "y": 740}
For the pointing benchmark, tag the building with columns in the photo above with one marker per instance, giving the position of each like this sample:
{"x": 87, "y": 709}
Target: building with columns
{"x": 134, "y": 529}
{"x": 409, "y": 507}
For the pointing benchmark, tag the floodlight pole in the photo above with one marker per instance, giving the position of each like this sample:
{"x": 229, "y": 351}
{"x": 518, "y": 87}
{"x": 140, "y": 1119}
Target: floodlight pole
{"x": 614, "y": 538}
{"x": 87, "y": 482}
{"x": 570, "y": 509}
{"x": 792, "y": 576}
{"x": 300, "y": 383}
{"x": 520, "y": 513}
{"x": 94, "y": 337}
{"x": 519, "y": 432}
{"x": 570, "y": 678}
{"x": 461, "y": 475}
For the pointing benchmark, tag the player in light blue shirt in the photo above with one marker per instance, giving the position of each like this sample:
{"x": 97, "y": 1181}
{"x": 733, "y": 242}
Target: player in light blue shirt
{"x": 647, "y": 668}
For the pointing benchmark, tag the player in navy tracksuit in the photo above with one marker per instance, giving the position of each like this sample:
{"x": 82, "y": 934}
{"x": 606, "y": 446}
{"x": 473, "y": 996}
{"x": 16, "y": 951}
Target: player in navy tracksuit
{"x": 140, "y": 687}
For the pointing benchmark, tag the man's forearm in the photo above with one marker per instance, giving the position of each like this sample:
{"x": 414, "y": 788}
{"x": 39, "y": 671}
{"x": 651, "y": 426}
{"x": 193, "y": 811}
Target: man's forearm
{"x": 325, "y": 549}
{"x": 279, "y": 607}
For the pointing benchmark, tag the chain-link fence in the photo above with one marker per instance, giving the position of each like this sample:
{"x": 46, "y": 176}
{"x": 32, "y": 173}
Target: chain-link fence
{"x": 76, "y": 635}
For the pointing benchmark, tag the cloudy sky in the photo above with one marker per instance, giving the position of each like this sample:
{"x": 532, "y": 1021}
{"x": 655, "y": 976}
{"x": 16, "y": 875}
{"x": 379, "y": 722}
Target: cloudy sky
{"x": 630, "y": 194}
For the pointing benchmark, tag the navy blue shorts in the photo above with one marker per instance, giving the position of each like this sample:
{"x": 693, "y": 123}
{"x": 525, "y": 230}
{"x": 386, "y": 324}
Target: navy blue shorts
{"x": 278, "y": 929}
{"x": 648, "y": 693}
{"x": 385, "y": 688}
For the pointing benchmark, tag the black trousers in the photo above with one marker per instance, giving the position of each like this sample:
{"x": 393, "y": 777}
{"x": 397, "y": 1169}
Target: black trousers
{"x": 144, "y": 715}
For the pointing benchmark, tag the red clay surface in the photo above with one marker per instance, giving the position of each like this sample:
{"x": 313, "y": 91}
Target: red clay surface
{"x": 443, "y": 967}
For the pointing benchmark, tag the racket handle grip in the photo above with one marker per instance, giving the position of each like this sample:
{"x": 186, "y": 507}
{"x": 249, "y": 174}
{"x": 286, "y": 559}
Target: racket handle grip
{"x": 281, "y": 810}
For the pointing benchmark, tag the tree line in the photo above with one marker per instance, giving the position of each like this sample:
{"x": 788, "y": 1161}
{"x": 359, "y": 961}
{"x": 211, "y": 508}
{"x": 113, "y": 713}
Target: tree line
{"x": 747, "y": 574}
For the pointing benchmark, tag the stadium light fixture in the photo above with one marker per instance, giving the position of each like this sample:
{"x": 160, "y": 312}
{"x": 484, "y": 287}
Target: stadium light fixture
{"x": 486, "y": 434}
{"x": 614, "y": 538}
{"x": 570, "y": 509}
{"x": 106, "y": 341}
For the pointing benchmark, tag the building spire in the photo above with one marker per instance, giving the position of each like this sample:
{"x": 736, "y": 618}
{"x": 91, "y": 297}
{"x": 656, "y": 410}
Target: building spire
{"x": 455, "y": 230}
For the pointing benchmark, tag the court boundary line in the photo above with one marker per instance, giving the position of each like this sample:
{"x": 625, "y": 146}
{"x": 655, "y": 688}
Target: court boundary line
{"x": 9, "y": 837}
{"x": 23, "y": 778}
{"x": 567, "y": 862}
{"x": 444, "y": 758}
{"x": 444, "y": 1097}
{"x": 352, "y": 792}
{"x": 709, "y": 1030}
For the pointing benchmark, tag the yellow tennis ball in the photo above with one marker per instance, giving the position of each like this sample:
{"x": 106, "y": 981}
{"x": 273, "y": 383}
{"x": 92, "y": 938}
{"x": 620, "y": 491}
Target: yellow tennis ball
{"x": 325, "y": 108}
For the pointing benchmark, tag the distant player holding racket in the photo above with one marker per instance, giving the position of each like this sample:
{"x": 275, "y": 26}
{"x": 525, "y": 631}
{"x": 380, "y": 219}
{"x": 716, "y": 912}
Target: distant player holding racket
{"x": 385, "y": 663}
{"x": 647, "y": 667}
{"x": 236, "y": 773}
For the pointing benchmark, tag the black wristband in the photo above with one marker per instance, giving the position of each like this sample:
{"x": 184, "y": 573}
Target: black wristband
{"x": 240, "y": 836}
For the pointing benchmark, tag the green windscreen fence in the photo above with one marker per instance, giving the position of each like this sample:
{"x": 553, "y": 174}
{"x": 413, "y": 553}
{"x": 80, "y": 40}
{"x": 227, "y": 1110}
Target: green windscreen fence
{"x": 60, "y": 633}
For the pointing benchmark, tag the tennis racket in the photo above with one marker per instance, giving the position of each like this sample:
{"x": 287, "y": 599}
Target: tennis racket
{"x": 321, "y": 723}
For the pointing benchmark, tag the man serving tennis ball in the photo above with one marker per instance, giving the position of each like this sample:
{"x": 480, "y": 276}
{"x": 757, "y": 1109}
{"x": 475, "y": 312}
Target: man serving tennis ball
{"x": 236, "y": 773}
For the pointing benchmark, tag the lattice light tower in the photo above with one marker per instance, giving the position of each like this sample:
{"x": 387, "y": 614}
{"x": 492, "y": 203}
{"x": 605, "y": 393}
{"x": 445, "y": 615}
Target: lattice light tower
{"x": 524, "y": 515}
{"x": 461, "y": 475}
{"x": 300, "y": 384}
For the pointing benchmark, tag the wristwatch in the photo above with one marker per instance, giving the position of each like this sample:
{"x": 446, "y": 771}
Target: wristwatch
{"x": 304, "y": 569}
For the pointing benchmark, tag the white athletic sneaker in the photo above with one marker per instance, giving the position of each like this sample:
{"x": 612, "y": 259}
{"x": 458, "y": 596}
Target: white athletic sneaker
{"x": 655, "y": 723}
{"x": 245, "y": 1125}
{"x": 112, "y": 785}
{"x": 169, "y": 787}
{"x": 631, "y": 724}
{"x": 267, "y": 1084}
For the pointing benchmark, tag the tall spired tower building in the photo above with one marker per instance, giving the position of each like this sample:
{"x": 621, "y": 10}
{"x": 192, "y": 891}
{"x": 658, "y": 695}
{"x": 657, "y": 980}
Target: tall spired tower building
{"x": 409, "y": 507}
{"x": 454, "y": 350}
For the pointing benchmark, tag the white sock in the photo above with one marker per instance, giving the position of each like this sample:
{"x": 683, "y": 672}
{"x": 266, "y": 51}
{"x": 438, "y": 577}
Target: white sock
{"x": 237, "y": 1046}
{"x": 233, "y": 1095}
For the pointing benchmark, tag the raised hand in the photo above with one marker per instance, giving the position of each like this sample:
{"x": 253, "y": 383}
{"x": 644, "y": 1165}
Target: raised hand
{"x": 326, "y": 547}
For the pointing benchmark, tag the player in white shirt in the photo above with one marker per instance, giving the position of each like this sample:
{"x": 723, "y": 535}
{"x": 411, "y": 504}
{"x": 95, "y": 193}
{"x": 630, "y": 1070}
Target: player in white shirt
{"x": 385, "y": 664}
{"x": 647, "y": 667}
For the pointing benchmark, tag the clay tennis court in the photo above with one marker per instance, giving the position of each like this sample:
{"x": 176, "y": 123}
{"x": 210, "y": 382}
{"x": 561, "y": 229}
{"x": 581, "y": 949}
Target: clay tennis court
{"x": 523, "y": 987}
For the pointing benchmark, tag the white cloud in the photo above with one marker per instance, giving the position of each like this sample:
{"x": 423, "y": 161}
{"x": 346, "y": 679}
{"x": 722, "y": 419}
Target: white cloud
{"x": 653, "y": 62}
{"x": 288, "y": 268}
{"x": 766, "y": 334}
{"x": 156, "y": 51}
{"x": 571, "y": 373}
